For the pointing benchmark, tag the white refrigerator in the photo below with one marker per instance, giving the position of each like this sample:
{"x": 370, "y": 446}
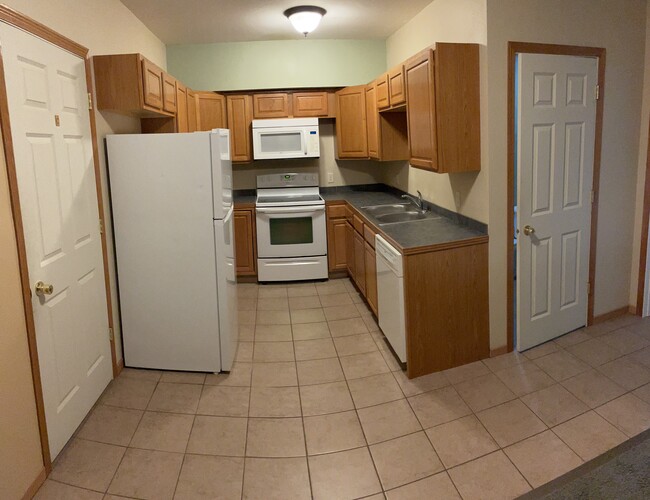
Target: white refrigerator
{"x": 171, "y": 197}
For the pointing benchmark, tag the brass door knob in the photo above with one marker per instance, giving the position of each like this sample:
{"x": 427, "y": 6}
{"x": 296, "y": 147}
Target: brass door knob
{"x": 43, "y": 289}
{"x": 528, "y": 230}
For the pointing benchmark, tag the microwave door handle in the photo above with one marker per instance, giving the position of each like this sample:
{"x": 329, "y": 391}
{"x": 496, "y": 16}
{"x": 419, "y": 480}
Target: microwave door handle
{"x": 289, "y": 210}
{"x": 303, "y": 141}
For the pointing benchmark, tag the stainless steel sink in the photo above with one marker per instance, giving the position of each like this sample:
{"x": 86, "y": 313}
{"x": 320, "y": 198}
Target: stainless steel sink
{"x": 393, "y": 208}
{"x": 405, "y": 216}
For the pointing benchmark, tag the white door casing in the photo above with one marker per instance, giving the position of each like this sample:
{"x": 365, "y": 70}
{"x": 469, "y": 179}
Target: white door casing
{"x": 51, "y": 135}
{"x": 556, "y": 117}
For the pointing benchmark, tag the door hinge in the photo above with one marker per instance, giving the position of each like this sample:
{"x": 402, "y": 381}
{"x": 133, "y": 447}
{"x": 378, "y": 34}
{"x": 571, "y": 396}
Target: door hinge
{"x": 101, "y": 226}
{"x": 597, "y": 92}
{"x": 90, "y": 101}
{"x": 111, "y": 335}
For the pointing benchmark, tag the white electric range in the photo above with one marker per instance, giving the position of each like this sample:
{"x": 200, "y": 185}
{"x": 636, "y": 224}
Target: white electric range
{"x": 291, "y": 228}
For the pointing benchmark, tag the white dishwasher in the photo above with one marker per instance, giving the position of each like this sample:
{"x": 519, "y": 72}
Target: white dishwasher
{"x": 390, "y": 296}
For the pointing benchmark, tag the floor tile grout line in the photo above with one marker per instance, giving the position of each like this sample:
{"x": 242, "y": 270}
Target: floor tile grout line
{"x": 250, "y": 395}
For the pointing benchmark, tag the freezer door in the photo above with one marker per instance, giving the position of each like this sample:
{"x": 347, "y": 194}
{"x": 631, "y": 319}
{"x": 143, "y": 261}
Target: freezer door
{"x": 161, "y": 190}
{"x": 227, "y": 288}
{"x": 221, "y": 172}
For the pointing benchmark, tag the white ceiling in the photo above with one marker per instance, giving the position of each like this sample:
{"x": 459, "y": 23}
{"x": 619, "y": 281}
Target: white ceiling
{"x": 211, "y": 21}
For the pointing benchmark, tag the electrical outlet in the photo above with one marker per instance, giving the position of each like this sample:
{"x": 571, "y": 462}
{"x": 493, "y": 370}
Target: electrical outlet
{"x": 330, "y": 177}
{"x": 457, "y": 198}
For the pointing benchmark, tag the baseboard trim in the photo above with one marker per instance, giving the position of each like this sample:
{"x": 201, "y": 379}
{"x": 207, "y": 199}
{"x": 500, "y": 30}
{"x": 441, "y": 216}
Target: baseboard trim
{"x": 120, "y": 367}
{"x": 499, "y": 351}
{"x": 622, "y": 311}
{"x": 36, "y": 484}
{"x": 632, "y": 310}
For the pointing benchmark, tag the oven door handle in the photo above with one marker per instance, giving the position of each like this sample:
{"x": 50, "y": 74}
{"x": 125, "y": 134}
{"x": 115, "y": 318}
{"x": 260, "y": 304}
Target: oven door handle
{"x": 289, "y": 210}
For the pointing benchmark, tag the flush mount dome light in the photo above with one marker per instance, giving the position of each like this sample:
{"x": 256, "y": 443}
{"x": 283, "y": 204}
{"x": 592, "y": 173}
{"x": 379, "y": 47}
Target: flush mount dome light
{"x": 305, "y": 18}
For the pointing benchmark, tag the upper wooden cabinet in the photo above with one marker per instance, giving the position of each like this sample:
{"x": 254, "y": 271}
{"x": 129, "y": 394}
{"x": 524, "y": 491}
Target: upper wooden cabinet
{"x": 310, "y": 104}
{"x": 182, "y": 124}
{"x": 211, "y": 111}
{"x": 274, "y": 105}
{"x": 131, "y": 84}
{"x": 442, "y": 91}
{"x": 169, "y": 93}
{"x": 351, "y": 135}
{"x": 240, "y": 117}
{"x": 396, "y": 86}
{"x": 381, "y": 85}
{"x": 192, "y": 116}
{"x": 387, "y": 132}
{"x": 372, "y": 118}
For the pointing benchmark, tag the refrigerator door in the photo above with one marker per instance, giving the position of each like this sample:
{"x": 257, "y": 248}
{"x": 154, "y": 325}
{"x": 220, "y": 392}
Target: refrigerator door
{"x": 227, "y": 288}
{"x": 161, "y": 189}
{"x": 221, "y": 171}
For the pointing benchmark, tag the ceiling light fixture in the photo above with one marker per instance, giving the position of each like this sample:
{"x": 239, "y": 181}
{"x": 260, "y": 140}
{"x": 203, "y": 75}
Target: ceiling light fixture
{"x": 305, "y": 18}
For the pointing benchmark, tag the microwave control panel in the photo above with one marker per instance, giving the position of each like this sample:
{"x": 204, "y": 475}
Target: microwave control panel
{"x": 287, "y": 180}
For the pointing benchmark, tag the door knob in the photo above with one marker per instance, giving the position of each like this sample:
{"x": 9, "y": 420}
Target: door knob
{"x": 528, "y": 230}
{"x": 43, "y": 289}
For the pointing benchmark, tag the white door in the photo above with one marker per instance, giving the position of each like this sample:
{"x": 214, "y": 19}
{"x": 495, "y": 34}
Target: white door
{"x": 50, "y": 129}
{"x": 556, "y": 116}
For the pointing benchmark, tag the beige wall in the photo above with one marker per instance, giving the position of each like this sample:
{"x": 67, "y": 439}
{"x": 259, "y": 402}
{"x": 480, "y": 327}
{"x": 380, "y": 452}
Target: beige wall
{"x": 345, "y": 172}
{"x": 619, "y": 27}
{"x": 20, "y": 446}
{"x": 445, "y": 21}
{"x": 104, "y": 27}
{"x": 91, "y": 23}
{"x": 643, "y": 153}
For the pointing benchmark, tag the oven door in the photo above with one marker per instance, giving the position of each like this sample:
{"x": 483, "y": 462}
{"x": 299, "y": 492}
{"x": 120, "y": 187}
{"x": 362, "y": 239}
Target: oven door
{"x": 291, "y": 231}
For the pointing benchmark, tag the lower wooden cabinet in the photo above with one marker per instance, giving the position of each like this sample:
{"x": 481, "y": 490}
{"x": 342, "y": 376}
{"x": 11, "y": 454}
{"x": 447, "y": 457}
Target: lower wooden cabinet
{"x": 349, "y": 249}
{"x": 360, "y": 262}
{"x": 336, "y": 239}
{"x": 245, "y": 242}
{"x": 370, "y": 261}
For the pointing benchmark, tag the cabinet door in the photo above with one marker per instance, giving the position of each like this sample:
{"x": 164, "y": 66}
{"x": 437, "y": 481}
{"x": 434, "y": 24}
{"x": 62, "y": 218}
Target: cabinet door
{"x": 371, "y": 277}
{"x": 349, "y": 250}
{"x": 351, "y": 136}
{"x": 152, "y": 84}
{"x": 181, "y": 111}
{"x": 310, "y": 104}
{"x": 211, "y": 111}
{"x": 360, "y": 262}
{"x": 372, "y": 122}
{"x": 191, "y": 111}
{"x": 240, "y": 116}
{"x": 271, "y": 105}
{"x": 383, "y": 99}
{"x": 421, "y": 111}
{"x": 245, "y": 243}
{"x": 396, "y": 86}
{"x": 336, "y": 245}
{"x": 169, "y": 93}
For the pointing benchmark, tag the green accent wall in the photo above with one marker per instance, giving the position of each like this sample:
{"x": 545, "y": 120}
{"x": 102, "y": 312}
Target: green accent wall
{"x": 277, "y": 64}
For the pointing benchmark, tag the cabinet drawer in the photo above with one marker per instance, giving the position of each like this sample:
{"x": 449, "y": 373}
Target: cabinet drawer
{"x": 310, "y": 104}
{"x": 369, "y": 235}
{"x": 271, "y": 105}
{"x": 336, "y": 211}
{"x": 357, "y": 222}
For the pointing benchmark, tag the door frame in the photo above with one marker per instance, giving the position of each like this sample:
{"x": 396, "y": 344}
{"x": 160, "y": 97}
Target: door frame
{"x": 515, "y": 48}
{"x": 640, "y": 294}
{"x": 18, "y": 20}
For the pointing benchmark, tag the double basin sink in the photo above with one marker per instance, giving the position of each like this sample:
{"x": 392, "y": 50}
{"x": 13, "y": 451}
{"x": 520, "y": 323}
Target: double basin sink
{"x": 395, "y": 213}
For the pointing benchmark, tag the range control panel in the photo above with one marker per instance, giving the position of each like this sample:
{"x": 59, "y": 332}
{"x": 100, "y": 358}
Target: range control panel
{"x": 287, "y": 180}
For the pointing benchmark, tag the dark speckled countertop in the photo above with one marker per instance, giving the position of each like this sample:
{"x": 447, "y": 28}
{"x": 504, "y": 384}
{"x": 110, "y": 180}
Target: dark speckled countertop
{"x": 442, "y": 228}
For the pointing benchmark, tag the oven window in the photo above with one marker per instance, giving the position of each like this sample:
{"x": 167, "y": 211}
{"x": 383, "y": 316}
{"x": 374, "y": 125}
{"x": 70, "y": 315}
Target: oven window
{"x": 291, "y": 231}
{"x": 280, "y": 142}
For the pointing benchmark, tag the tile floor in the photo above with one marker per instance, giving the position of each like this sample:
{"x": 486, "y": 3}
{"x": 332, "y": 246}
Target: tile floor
{"x": 316, "y": 407}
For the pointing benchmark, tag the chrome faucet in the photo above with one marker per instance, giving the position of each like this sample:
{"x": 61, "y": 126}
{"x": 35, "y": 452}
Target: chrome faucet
{"x": 416, "y": 201}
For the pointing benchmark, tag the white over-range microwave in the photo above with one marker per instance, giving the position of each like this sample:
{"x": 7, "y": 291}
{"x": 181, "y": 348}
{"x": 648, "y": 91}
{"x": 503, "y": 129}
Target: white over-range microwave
{"x": 285, "y": 138}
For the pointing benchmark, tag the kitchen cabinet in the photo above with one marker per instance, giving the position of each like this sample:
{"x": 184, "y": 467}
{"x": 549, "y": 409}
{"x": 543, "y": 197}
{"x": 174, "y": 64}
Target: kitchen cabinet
{"x": 349, "y": 249}
{"x": 381, "y": 85}
{"x": 169, "y": 93}
{"x": 396, "y": 86}
{"x": 274, "y": 105}
{"x": 370, "y": 262}
{"x": 336, "y": 238}
{"x": 240, "y": 117}
{"x": 245, "y": 242}
{"x": 372, "y": 119}
{"x": 310, "y": 104}
{"x": 351, "y": 135}
{"x": 181, "y": 108}
{"x": 192, "y": 116}
{"x": 130, "y": 84}
{"x": 211, "y": 111}
{"x": 359, "y": 262}
{"x": 387, "y": 131}
{"x": 442, "y": 91}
